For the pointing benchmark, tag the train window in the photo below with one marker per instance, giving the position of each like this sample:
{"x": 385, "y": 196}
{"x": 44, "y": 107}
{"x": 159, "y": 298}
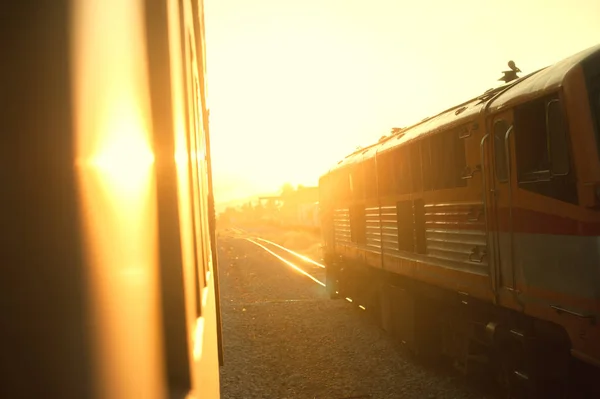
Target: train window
{"x": 542, "y": 142}
{"x": 370, "y": 179}
{"x": 542, "y": 150}
{"x": 557, "y": 137}
{"x": 533, "y": 160}
{"x": 500, "y": 129}
{"x": 457, "y": 162}
{"x": 399, "y": 171}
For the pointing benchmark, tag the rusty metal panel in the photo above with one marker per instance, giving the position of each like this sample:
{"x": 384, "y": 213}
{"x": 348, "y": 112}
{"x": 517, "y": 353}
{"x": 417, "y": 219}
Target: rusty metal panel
{"x": 341, "y": 226}
{"x": 455, "y": 232}
{"x": 389, "y": 228}
{"x": 373, "y": 228}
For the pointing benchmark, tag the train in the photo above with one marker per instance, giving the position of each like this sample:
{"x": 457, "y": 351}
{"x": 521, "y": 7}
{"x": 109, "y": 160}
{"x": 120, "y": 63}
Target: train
{"x": 473, "y": 234}
{"x": 109, "y": 283}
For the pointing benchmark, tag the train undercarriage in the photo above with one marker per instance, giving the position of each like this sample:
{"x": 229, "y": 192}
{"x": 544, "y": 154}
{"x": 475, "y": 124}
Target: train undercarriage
{"x": 526, "y": 357}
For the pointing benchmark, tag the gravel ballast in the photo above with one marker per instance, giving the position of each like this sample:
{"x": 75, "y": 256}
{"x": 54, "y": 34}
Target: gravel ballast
{"x": 284, "y": 338}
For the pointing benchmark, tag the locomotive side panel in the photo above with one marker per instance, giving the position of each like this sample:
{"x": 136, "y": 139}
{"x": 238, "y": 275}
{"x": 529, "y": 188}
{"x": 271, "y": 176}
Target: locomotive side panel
{"x": 488, "y": 210}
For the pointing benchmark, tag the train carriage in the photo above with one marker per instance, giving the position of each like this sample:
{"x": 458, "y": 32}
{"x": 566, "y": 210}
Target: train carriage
{"x": 475, "y": 232}
{"x": 109, "y": 267}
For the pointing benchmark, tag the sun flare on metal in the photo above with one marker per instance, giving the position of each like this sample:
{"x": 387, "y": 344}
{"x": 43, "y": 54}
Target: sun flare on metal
{"x": 114, "y": 163}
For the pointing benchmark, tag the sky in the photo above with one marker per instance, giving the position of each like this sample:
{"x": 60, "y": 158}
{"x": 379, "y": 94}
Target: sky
{"x": 295, "y": 85}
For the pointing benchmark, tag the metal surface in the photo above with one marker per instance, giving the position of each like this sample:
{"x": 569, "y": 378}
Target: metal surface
{"x": 590, "y": 317}
{"x": 373, "y": 228}
{"x": 533, "y": 85}
{"x": 542, "y": 82}
{"x": 511, "y": 232}
{"x": 341, "y": 226}
{"x": 450, "y": 235}
{"x": 492, "y": 271}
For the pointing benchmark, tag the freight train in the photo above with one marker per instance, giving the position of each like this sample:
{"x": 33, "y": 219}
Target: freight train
{"x": 474, "y": 234}
{"x": 109, "y": 271}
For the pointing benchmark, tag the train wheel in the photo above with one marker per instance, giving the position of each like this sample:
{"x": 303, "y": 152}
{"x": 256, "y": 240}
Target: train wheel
{"x": 521, "y": 371}
{"x": 513, "y": 372}
{"x": 533, "y": 367}
{"x": 513, "y": 379}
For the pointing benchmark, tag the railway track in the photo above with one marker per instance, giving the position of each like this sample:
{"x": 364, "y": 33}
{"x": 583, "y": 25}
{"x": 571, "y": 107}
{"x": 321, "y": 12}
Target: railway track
{"x": 300, "y": 263}
{"x": 284, "y": 337}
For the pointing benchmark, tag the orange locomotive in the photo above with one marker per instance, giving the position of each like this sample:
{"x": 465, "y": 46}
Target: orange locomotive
{"x": 475, "y": 233}
{"x": 109, "y": 286}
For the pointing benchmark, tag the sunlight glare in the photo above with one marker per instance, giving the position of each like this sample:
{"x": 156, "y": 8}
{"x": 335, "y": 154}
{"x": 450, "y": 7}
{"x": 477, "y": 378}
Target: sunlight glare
{"x": 198, "y": 338}
{"x": 114, "y": 163}
{"x": 125, "y": 159}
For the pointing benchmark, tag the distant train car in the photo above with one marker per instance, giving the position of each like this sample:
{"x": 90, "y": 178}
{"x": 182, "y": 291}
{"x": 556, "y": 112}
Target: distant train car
{"x": 109, "y": 270}
{"x": 475, "y": 233}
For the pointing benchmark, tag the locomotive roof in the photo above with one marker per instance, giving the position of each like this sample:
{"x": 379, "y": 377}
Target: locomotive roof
{"x": 547, "y": 80}
{"x": 525, "y": 88}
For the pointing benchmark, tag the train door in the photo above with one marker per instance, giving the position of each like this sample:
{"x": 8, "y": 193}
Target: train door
{"x": 500, "y": 202}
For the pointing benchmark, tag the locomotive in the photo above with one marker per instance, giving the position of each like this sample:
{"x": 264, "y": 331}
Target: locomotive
{"x": 473, "y": 234}
{"x": 109, "y": 265}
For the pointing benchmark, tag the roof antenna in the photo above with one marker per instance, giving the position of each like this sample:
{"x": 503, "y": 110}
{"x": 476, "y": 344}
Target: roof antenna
{"x": 511, "y": 75}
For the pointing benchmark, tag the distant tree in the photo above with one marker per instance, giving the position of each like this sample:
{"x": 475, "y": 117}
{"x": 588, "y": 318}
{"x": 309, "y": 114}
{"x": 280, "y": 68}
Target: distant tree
{"x": 259, "y": 211}
{"x": 287, "y": 190}
{"x": 228, "y": 216}
{"x": 271, "y": 206}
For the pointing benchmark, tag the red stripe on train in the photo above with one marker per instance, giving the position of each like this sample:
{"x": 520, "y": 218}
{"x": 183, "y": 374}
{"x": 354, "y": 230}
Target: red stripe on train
{"x": 534, "y": 222}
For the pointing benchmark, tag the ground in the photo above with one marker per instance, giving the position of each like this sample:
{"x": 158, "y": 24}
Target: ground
{"x": 283, "y": 337}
